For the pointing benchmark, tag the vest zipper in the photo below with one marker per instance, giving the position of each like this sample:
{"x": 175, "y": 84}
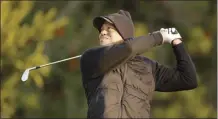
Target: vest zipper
{"x": 124, "y": 83}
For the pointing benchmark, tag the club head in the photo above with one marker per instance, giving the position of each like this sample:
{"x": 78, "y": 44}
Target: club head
{"x": 25, "y": 75}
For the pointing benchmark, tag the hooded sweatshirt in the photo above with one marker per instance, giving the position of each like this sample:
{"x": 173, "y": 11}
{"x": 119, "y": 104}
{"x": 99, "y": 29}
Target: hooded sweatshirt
{"x": 119, "y": 83}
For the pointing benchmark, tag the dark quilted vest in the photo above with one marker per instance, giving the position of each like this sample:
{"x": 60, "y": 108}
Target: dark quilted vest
{"x": 124, "y": 92}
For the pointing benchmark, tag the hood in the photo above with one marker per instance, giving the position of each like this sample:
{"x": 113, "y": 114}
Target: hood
{"x": 122, "y": 21}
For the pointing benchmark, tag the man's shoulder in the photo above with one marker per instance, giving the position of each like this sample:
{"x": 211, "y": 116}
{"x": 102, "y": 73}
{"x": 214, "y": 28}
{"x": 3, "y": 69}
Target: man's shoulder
{"x": 89, "y": 52}
{"x": 93, "y": 50}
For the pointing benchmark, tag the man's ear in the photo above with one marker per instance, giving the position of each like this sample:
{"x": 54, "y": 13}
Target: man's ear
{"x": 126, "y": 13}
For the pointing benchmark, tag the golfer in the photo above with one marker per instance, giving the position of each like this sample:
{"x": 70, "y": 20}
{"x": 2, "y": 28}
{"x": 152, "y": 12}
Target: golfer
{"x": 118, "y": 81}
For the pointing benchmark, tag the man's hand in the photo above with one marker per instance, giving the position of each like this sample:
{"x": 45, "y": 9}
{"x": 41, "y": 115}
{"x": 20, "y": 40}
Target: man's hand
{"x": 169, "y": 35}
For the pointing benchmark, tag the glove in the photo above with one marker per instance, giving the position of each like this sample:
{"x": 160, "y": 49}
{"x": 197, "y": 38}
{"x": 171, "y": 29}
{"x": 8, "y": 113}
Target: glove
{"x": 169, "y": 34}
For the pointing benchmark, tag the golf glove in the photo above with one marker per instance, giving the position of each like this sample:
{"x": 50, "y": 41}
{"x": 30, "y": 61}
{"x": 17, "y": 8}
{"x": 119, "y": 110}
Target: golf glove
{"x": 169, "y": 34}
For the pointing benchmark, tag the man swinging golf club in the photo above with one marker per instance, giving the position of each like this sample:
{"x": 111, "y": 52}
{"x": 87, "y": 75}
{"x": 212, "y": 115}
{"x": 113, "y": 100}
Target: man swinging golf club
{"x": 118, "y": 82}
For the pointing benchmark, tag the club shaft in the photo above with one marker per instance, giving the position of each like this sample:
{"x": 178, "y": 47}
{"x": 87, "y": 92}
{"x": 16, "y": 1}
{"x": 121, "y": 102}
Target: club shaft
{"x": 58, "y": 61}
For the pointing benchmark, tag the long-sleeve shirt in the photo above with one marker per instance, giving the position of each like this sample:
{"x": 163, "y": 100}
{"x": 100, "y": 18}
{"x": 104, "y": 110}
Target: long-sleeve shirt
{"x": 119, "y": 85}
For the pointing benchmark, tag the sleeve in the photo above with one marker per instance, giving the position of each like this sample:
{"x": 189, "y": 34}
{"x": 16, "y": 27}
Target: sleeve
{"x": 96, "y": 61}
{"x": 182, "y": 77}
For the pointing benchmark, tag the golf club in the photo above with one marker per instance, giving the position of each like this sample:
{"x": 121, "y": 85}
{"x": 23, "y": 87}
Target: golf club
{"x": 26, "y": 72}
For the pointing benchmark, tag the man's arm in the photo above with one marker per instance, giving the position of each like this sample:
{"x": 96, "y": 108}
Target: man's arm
{"x": 182, "y": 77}
{"x": 97, "y": 61}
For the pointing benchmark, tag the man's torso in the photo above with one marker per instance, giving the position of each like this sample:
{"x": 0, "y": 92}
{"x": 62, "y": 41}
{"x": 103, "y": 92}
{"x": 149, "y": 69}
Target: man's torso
{"x": 123, "y": 92}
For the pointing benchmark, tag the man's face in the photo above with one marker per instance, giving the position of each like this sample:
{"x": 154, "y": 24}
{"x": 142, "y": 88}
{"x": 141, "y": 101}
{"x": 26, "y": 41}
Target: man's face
{"x": 109, "y": 35}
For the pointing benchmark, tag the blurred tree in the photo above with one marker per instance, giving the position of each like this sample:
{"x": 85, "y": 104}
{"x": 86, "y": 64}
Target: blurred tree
{"x": 70, "y": 97}
{"x": 22, "y": 46}
{"x": 200, "y": 45}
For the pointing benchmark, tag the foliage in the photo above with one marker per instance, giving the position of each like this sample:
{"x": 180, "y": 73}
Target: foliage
{"x": 22, "y": 46}
{"x": 178, "y": 104}
{"x": 201, "y": 42}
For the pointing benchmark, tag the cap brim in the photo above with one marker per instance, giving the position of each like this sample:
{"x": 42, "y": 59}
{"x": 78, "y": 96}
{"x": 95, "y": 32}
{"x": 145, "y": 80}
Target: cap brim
{"x": 99, "y": 21}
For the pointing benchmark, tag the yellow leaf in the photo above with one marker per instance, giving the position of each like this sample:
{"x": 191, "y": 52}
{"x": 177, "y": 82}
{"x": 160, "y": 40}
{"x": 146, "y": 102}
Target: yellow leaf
{"x": 38, "y": 20}
{"x": 40, "y": 47}
{"x": 48, "y": 32}
{"x": 14, "y": 37}
{"x": 12, "y": 80}
{"x": 50, "y": 15}
{"x": 9, "y": 41}
{"x": 21, "y": 11}
{"x": 38, "y": 80}
{"x": 61, "y": 22}
{"x": 19, "y": 64}
{"x": 6, "y": 7}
